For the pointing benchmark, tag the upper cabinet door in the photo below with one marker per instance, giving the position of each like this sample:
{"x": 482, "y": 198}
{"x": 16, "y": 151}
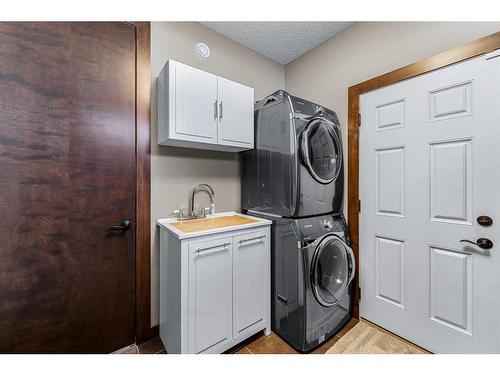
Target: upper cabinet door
{"x": 236, "y": 107}
{"x": 187, "y": 103}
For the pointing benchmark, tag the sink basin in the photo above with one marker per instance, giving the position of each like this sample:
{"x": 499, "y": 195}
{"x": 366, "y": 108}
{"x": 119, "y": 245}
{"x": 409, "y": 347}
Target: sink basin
{"x": 218, "y": 223}
{"x": 209, "y": 223}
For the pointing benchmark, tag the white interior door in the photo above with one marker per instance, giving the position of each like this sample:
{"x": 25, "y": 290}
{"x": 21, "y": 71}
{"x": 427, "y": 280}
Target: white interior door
{"x": 429, "y": 153}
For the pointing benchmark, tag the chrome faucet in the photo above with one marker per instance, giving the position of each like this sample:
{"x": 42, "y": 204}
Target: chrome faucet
{"x": 210, "y": 192}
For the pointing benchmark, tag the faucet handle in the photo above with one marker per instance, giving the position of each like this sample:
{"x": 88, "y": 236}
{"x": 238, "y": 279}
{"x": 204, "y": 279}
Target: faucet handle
{"x": 179, "y": 214}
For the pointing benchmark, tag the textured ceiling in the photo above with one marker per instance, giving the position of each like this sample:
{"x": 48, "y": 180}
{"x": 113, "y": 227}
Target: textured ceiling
{"x": 280, "y": 41}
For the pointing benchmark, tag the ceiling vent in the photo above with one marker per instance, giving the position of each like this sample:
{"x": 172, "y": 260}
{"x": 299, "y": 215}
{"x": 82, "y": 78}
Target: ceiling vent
{"x": 202, "y": 51}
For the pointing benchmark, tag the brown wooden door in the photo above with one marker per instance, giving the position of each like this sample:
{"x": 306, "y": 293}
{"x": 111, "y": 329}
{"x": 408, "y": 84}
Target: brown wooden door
{"x": 67, "y": 172}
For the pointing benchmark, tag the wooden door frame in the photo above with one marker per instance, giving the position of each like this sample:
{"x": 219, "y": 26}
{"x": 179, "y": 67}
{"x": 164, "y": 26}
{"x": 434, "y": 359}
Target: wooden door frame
{"x": 143, "y": 331}
{"x": 452, "y": 56}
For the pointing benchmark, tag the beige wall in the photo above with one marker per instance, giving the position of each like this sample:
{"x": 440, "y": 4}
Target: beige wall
{"x": 175, "y": 171}
{"x": 368, "y": 49}
{"x": 323, "y": 75}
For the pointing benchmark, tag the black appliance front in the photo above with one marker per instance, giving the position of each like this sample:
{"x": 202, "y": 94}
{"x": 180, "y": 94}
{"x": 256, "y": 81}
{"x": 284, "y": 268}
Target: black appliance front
{"x": 296, "y": 168}
{"x": 311, "y": 288}
{"x": 321, "y": 169}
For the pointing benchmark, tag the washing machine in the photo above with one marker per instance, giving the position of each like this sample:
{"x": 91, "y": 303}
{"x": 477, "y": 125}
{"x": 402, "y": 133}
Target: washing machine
{"x": 296, "y": 168}
{"x": 313, "y": 269}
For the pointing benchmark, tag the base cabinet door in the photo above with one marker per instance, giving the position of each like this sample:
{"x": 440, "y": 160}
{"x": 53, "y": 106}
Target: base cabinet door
{"x": 251, "y": 289}
{"x": 210, "y": 294}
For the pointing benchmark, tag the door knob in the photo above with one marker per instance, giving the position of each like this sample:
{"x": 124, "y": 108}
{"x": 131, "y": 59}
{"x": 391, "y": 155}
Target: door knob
{"x": 483, "y": 243}
{"x": 122, "y": 227}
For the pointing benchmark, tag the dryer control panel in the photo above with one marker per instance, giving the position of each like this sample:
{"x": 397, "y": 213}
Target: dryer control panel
{"x": 315, "y": 227}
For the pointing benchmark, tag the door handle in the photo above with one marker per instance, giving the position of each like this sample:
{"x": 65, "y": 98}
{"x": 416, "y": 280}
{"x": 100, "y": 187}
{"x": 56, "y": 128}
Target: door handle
{"x": 251, "y": 241}
{"x": 122, "y": 227}
{"x": 483, "y": 243}
{"x": 212, "y": 249}
{"x": 220, "y": 110}
{"x": 215, "y": 110}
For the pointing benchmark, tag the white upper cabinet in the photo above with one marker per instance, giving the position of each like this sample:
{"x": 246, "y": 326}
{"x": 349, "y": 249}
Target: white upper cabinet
{"x": 197, "y": 109}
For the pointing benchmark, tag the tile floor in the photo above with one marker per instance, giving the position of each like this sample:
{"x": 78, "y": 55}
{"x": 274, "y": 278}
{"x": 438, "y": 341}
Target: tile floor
{"x": 257, "y": 344}
{"x": 367, "y": 338}
{"x": 273, "y": 344}
{"x": 153, "y": 346}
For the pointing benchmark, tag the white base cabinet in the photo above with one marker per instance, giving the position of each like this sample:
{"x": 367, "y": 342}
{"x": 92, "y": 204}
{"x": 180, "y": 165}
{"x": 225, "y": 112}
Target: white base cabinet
{"x": 214, "y": 289}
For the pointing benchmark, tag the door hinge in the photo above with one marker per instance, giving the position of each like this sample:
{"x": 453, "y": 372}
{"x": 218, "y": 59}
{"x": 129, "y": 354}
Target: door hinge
{"x": 359, "y": 119}
{"x": 359, "y": 205}
{"x": 359, "y": 294}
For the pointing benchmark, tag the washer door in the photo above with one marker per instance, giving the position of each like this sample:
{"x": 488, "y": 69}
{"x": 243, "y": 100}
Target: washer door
{"x": 321, "y": 150}
{"x": 333, "y": 269}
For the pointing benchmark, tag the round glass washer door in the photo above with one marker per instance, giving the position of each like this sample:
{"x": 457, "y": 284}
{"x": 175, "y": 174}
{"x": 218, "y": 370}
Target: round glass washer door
{"x": 330, "y": 273}
{"x": 321, "y": 150}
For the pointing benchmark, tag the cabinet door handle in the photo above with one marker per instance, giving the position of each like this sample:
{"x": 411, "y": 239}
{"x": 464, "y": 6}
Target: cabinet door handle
{"x": 211, "y": 250}
{"x": 251, "y": 241}
{"x": 220, "y": 110}
{"x": 215, "y": 110}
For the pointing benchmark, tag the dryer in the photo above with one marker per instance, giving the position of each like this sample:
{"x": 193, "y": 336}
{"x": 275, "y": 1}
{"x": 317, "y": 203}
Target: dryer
{"x": 313, "y": 268}
{"x": 296, "y": 168}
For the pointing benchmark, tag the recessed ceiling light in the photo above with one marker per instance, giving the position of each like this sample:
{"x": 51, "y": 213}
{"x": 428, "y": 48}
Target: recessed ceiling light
{"x": 202, "y": 51}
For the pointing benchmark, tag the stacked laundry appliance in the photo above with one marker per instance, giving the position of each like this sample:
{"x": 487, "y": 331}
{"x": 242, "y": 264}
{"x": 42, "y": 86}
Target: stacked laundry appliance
{"x": 295, "y": 177}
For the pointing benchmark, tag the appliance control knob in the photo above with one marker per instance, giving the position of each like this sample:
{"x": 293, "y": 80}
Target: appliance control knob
{"x": 327, "y": 224}
{"x": 320, "y": 111}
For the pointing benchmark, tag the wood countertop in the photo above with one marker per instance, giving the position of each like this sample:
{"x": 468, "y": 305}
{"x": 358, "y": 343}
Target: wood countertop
{"x": 197, "y": 225}
{"x": 218, "y": 223}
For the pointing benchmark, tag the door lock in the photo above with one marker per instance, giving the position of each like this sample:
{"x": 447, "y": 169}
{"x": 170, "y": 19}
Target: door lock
{"x": 484, "y": 220}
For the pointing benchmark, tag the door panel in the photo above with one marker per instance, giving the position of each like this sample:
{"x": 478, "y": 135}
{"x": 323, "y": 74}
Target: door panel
{"x": 390, "y": 115}
{"x": 418, "y": 279}
{"x": 451, "y": 298}
{"x": 451, "y": 181}
{"x": 67, "y": 156}
{"x": 195, "y": 96}
{"x": 251, "y": 280}
{"x": 390, "y": 181}
{"x": 389, "y": 277}
{"x": 452, "y": 101}
{"x": 236, "y": 105}
{"x": 210, "y": 294}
